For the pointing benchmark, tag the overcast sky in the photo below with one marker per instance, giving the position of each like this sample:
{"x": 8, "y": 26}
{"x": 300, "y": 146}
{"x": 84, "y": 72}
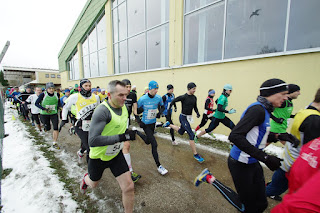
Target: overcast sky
{"x": 36, "y": 29}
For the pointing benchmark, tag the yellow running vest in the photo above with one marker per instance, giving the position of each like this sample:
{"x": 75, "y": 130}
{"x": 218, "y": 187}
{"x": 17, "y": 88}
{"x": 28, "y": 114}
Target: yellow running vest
{"x": 116, "y": 126}
{"x": 85, "y": 106}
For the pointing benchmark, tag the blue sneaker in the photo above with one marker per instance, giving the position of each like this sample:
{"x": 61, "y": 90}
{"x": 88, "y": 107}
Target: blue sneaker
{"x": 166, "y": 124}
{"x": 201, "y": 178}
{"x": 195, "y": 138}
{"x": 198, "y": 158}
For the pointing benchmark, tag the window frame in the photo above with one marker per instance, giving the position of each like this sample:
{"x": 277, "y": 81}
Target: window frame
{"x": 145, "y": 32}
{"x": 223, "y": 59}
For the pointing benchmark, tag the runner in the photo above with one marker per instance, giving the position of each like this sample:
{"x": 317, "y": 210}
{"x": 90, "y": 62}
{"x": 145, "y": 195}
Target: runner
{"x": 75, "y": 89}
{"x": 249, "y": 137}
{"x": 150, "y": 103}
{"x": 131, "y": 102}
{"x": 85, "y": 102}
{"x": 35, "y": 111}
{"x": 284, "y": 113}
{"x": 49, "y": 103}
{"x": 102, "y": 95}
{"x": 23, "y": 106}
{"x": 107, "y": 134}
{"x": 306, "y": 127}
{"x": 167, "y": 99}
{"x": 14, "y": 95}
{"x": 188, "y": 104}
{"x": 219, "y": 115}
{"x": 208, "y": 109}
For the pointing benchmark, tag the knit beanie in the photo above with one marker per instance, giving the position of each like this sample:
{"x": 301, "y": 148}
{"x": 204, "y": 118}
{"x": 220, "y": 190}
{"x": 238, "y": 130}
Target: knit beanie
{"x": 169, "y": 87}
{"x": 191, "y": 85}
{"x": 272, "y": 86}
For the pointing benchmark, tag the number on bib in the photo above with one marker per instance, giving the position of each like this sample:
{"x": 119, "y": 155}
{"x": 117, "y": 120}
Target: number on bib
{"x": 114, "y": 149}
{"x": 152, "y": 113}
{"x": 86, "y": 125}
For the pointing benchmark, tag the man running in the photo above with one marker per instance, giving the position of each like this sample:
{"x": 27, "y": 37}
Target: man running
{"x": 150, "y": 104}
{"x": 219, "y": 115}
{"x": 48, "y": 102}
{"x": 35, "y": 111}
{"x": 208, "y": 109}
{"x": 106, "y": 137}
{"x": 250, "y": 136}
{"x": 306, "y": 127}
{"x": 102, "y": 95}
{"x": 167, "y": 99}
{"x": 131, "y": 103}
{"x": 188, "y": 104}
{"x": 85, "y": 102}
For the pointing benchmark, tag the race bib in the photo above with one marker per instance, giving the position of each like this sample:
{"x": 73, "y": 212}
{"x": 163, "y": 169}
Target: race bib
{"x": 190, "y": 119}
{"x": 114, "y": 149}
{"x": 152, "y": 113}
{"x": 86, "y": 125}
{"x": 51, "y": 107}
{"x": 29, "y": 106}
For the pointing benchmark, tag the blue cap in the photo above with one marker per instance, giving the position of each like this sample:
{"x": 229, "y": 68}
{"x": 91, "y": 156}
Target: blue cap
{"x": 153, "y": 85}
{"x": 94, "y": 89}
{"x": 227, "y": 87}
{"x": 66, "y": 90}
{"x": 212, "y": 92}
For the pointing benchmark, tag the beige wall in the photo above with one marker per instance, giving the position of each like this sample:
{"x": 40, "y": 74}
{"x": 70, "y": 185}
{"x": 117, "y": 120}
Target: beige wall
{"x": 245, "y": 77}
{"x": 41, "y": 77}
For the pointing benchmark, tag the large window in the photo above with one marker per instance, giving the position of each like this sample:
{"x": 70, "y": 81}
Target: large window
{"x": 94, "y": 49}
{"x": 225, "y": 29}
{"x": 73, "y": 65}
{"x": 140, "y": 34}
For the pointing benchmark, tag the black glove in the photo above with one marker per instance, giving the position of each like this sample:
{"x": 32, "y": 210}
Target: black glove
{"x": 290, "y": 138}
{"x": 141, "y": 124}
{"x": 198, "y": 115}
{"x": 62, "y": 123}
{"x": 175, "y": 109}
{"x": 272, "y": 162}
{"x": 158, "y": 115}
{"x": 129, "y": 135}
{"x": 47, "y": 110}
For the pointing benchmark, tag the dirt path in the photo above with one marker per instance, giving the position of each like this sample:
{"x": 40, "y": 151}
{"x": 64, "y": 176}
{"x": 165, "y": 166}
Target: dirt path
{"x": 174, "y": 192}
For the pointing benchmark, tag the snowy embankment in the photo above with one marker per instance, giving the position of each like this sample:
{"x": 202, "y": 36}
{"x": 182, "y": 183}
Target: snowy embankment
{"x": 32, "y": 185}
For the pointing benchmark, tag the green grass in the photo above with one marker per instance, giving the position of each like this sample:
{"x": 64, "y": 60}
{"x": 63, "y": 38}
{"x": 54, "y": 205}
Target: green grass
{"x": 5, "y": 173}
{"x": 70, "y": 184}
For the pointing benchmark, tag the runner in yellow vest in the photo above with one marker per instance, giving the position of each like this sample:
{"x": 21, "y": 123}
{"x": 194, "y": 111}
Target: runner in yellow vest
{"x": 85, "y": 102}
{"x": 107, "y": 135}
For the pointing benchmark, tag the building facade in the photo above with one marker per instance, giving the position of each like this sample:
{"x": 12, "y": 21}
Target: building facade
{"x": 209, "y": 42}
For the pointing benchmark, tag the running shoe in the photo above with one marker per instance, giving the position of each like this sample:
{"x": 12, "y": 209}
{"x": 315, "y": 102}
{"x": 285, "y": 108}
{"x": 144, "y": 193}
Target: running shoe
{"x": 71, "y": 131}
{"x": 212, "y": 135}
{"x": 195, "y": 138}
{"x": 80, "y": 156}
{"x": 162, "y": 170}
{"x": 166, "y": 124}
{"x": 32, "y": 124}
{"x": 198, "y": 158}
{"x": 83, "y": 185}
{"x": 55, "y": 145}
{"x": 201, "y": 178}
{"x": 175, "y": 143}
{"x": 276, "y": 197}
{"x": 135, "y": 177}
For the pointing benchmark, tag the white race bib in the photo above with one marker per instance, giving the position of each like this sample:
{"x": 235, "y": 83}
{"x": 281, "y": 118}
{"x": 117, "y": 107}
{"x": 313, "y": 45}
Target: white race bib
{"x": 86, "y": 125}
{"x": 190, "y": 119}
{"x": 152, "y": 113}
{"x": 114, "y": 149}
{"x": 29, "y": 106}
{"x": 51, "y": 107}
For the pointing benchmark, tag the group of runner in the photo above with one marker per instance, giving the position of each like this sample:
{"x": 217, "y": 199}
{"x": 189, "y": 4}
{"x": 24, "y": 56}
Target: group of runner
{"x": 103, "y": 126}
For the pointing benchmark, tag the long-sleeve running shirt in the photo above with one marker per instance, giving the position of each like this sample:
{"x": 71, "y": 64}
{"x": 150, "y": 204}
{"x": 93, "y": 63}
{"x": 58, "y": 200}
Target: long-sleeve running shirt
{"x": 188, "y": 103}
{"x": 100, "y": 118}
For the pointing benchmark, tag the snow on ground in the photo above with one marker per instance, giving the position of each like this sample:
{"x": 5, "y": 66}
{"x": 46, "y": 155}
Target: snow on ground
{"x": 32, "y": 185}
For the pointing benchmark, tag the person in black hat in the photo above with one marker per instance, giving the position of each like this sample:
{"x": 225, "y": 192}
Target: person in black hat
{"x": 249, "y": 137}
{"x": 188, "y": 104}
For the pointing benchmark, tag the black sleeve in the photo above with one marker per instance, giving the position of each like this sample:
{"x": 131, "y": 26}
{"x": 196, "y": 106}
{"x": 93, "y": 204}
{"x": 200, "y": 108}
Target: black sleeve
{"x": 39, "y": 100}
{"x": 311, "y": 128}
{"x": 206, "y": 104}
{"x": 177, "y": 99}
{"x": 254, "y": 116}
{"x": 164, "y": 98}
{"x": 220, "y": 108}
{"x": 134, "y": 98}
{"x": 174, "y": 104}
{"x": 100, "y": 118}
{"x": 195, "y": 106}
{"x": 59, "y": 103}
